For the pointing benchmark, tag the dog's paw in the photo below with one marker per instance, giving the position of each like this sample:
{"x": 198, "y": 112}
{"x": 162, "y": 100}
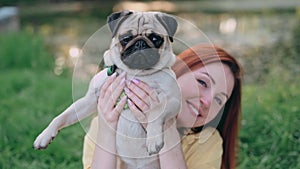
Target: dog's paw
{"x": 154, "y": 145}
{"x": 44, "y": 139}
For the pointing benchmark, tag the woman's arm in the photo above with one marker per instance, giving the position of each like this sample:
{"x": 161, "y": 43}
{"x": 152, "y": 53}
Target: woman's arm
{"x": 171, "y": 156}
{"x": 108, "y": 115}
{"x": 105, "y": 150}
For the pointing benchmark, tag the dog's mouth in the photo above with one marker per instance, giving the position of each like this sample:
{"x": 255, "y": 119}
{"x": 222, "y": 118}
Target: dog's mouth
{"x": 140, "y": 59}
{"x": 141, "y": 52}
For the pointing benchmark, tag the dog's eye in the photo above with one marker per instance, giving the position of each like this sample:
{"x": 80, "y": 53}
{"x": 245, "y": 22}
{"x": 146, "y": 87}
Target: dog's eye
{"x": 125, "y": 40}
{"x": 156, "y": 39}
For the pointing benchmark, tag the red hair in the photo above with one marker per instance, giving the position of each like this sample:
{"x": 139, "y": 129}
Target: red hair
{"x": 228, "y": 122}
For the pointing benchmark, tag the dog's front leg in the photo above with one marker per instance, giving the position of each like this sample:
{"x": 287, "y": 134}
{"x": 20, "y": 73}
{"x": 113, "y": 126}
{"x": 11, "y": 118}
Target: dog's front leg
{"x": 80, "y": 109}
{"x": 155, "y": 139}
{"x": 155, "y": 118}
{"x": 77, "y": 111}
{"x": 167, "y": 108}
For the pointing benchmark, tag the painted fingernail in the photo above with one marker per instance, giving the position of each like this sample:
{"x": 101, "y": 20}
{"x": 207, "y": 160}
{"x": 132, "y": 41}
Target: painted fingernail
{"x": 126, "y": 90}
{"x": 127, "y": 82}
{"x": 113, "y": 75}
{"x": 135, "y": 81}
{"x": 129, "y": 102}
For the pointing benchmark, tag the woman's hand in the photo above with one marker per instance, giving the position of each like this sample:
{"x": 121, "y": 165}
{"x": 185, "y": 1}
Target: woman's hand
{"x": 108, "y": 114}
{"x": 141, "y": 99}
{"x": 108, "y": 108}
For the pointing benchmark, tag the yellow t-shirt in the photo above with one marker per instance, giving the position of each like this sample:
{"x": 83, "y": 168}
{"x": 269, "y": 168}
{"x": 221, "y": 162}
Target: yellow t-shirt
{"x": 202, "y": 150}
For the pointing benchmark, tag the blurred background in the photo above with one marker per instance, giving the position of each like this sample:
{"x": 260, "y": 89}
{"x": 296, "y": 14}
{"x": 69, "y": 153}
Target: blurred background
{"x": 41, "y": 41}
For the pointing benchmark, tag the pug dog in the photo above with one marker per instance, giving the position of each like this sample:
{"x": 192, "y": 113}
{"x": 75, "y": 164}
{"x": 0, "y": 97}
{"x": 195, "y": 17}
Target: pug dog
{"x": 141, "y": 46}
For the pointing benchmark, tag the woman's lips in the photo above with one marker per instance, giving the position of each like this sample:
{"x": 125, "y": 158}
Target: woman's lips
{"x": 193, "y": 109}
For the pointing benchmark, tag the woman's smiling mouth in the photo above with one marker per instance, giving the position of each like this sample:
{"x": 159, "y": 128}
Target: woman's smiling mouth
{"x": 193, "y": 109}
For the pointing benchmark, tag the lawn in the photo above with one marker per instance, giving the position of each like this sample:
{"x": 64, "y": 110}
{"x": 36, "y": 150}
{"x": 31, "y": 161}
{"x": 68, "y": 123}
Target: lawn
{"x": 29, "y": 100}
{"x": 32, "y": 95}
{"x": 270, "y": 135}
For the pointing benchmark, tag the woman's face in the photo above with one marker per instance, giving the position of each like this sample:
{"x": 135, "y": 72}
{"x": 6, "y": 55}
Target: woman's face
{"x": 204, "y": 92}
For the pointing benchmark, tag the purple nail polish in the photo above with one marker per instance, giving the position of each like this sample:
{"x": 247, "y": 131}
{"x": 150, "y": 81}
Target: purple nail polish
{"x": 126, "y": 90}
{"x": 129, "y": 102}
{"x": 135, "y": 81}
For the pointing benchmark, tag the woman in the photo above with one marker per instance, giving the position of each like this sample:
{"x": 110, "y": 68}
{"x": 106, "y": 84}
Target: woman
{"x": 210, "y": 83}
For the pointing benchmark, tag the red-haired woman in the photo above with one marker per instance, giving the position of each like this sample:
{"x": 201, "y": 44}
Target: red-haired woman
{"x": 207, "y": 126}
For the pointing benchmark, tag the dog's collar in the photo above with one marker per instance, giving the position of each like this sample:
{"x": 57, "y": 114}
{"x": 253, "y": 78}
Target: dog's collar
{"x": 111, "y": 70}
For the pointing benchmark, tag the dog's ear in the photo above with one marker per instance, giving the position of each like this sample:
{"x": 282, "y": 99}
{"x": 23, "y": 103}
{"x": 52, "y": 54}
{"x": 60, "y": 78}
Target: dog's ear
{"x": 169, "y": 23}
{"x": 115, "y": 19}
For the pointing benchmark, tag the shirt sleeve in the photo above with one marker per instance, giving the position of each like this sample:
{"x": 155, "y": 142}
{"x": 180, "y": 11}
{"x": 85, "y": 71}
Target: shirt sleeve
{"x": 203, "y": 150}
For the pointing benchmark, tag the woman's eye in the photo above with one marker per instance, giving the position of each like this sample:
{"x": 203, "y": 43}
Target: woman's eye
{"x": 202, "y": 83}
{"x": 218, "y": 100}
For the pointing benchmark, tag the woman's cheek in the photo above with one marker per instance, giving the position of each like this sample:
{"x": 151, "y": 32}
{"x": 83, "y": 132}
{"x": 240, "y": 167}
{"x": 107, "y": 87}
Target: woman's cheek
{"x": 184, "y": 119}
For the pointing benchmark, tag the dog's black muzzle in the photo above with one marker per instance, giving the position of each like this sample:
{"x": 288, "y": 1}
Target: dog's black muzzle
{"x": 140, "y": 55}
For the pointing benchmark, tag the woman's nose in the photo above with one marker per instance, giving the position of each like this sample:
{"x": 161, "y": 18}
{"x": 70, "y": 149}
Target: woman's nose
{"x": 205, "y": 102}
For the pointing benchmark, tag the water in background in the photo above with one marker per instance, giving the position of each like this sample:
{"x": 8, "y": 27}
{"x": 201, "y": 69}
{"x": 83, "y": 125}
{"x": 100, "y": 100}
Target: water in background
{"x": 240, "y": 33}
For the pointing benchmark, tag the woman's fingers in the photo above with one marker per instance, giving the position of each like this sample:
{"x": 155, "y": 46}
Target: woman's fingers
{"x": 141, "y": 95}
{"x": 113, "y": 116}
{"x": 141, "y": 117}
{"x": 109, "y": 94}
{"x": 106, "y": 85}
{"x": 137, "y": 101}
{"x": 142, "y": 90}
{"x": 116, "y": 88}
{"x": 112, "y": 90}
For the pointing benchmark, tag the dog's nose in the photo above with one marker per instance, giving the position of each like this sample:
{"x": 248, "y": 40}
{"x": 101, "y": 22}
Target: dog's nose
{"x": 140, "y": 44}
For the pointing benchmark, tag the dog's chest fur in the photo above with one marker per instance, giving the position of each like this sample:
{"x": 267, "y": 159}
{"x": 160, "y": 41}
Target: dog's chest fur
{"x": 131, "y": 137}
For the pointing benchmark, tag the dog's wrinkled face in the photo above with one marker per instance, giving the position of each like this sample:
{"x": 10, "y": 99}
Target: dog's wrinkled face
{"x": 140, "y": 51}
{"x": 141, "y": 41}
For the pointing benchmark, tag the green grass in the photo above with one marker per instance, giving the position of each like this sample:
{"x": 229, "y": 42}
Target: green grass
{"x": 270, "y": 135}
{"x": 22, "y": 50}
{"x": 29, "y": 101}
{"x": 31, "y": 96}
